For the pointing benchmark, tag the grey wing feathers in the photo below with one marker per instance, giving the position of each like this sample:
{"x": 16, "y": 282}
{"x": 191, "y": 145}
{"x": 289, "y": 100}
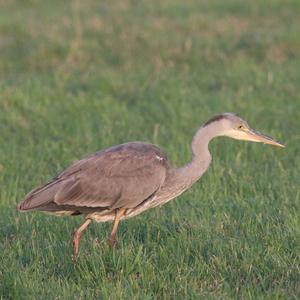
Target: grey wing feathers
{"x": 121, "y": 176}
{"x": 40, "y": 196}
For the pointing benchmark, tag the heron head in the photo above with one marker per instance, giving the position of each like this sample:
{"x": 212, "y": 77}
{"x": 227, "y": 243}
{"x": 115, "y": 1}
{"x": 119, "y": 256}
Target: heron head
{"x": 232, "y": 126}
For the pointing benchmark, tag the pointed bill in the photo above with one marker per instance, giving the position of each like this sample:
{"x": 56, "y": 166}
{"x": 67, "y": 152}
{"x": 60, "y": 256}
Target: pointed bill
{"x": 256, "y": 136}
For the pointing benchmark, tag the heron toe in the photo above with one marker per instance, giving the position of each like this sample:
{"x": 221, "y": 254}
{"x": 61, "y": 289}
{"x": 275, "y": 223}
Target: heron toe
{"x": 112, "y": 242}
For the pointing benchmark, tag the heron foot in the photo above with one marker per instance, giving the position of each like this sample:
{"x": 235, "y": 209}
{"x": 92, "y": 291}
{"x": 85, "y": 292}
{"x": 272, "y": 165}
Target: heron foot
{"x": 112, "y": 242}
{"x": 74, "y": 259}
{"x": 75, "y": 247}
{"x": 77, "y": 236}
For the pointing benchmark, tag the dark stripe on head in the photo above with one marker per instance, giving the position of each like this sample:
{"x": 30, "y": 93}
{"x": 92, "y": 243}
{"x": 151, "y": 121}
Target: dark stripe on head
{"x": 218, "y": 118}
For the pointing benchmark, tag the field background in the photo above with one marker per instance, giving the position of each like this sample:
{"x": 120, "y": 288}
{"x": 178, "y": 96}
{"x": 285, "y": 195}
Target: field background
{"x": 79, "y": 76}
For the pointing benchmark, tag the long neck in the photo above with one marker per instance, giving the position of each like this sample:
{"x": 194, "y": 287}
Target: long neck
{"x": 201, "y": 157}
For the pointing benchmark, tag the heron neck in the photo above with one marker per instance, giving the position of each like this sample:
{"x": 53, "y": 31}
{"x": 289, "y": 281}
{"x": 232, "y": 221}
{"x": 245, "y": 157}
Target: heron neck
{"x": 201, "y": 157}
{"x": 201, "y": 140}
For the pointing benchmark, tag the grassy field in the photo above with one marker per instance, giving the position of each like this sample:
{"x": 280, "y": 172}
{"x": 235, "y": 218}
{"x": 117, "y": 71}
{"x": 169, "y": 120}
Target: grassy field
{"x": 79, "y": 76}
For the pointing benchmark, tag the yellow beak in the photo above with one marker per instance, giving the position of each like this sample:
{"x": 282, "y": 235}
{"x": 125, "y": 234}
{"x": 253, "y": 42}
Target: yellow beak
{"x": 256, "y": 136}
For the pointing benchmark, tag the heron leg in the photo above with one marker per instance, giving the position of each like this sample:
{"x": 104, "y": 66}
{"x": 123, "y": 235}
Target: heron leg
{"x": 77, "y": 236}
{"x": 112, "y": 238}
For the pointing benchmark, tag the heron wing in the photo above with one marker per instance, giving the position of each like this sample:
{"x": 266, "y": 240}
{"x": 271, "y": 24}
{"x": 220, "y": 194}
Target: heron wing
{"x": 121, "y": 176}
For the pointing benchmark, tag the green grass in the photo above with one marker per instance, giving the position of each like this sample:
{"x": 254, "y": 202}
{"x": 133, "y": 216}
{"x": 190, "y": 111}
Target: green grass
{"x": 76, "y": 77}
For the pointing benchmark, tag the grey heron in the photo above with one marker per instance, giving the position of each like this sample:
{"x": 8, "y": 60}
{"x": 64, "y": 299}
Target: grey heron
{"x": 125, "y": 180}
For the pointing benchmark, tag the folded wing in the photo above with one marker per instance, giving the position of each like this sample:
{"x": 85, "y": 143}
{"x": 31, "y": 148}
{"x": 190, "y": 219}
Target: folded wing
{"x": 121, "y": 176}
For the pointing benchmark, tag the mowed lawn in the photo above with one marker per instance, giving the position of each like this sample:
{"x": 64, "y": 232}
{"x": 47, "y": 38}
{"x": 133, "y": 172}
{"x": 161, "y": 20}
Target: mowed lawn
{"x": 79, "y": 76}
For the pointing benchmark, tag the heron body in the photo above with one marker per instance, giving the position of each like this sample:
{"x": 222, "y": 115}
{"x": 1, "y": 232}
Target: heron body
{"x": 125, "y": 180}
